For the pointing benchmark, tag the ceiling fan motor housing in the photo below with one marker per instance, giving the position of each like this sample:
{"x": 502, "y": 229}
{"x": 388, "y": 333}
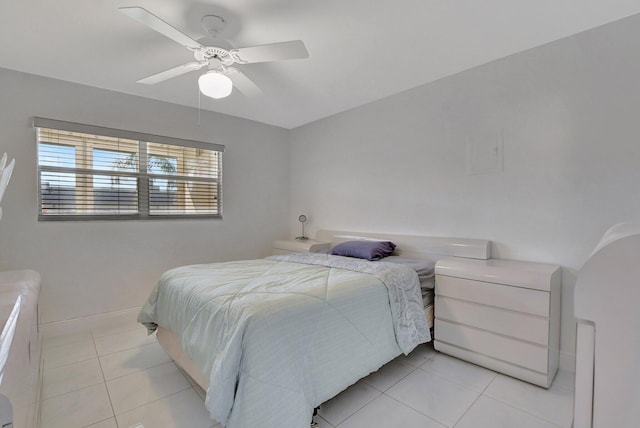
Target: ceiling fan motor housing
{"x": 209, "y": 52}
{"x": 213, "y": 24}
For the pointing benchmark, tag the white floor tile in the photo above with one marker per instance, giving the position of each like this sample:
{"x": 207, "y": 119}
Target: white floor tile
{"x": 461, "y": 372}
{"x": 143, "y": 387}
{"x": 553, "y": 405}
{"x": 121, "y": 341}
{"x": 184, "y": 409}
{"x": 489, "y": 413}
{"x": 116, "y": 327}
{"x": 419, "y": 355}
{"x": 108, "y": 423}
{"x": 389, "y": 374}
{"x": 434, "y": 396}
{"x": 347, "y": 403}
{"x": 68, "y": 339}
{"x": 69, "y": 353}
{"x": 77, "y": 409}
{"x": 129, "y": 361}
{"x": 385, "y": 412}
{"x": 60, "y": 380}
{"x": 424, "y": 389}
{"x": 565, "y": 380}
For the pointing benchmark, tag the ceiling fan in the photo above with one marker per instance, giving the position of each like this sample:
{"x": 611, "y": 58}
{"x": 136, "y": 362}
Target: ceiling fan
{"x": 220, "y": 78}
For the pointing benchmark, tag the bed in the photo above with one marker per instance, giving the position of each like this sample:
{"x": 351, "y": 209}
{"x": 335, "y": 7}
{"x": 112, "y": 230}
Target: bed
{"x": 271, "y": 339}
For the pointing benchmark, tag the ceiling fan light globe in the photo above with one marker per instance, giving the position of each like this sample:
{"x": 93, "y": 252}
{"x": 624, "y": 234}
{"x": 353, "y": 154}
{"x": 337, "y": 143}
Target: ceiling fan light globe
{"x": 215, "y": 84}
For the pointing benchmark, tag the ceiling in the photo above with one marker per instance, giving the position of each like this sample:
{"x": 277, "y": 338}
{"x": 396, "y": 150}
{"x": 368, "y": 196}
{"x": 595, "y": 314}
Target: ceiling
{"x": 360, "y": 50}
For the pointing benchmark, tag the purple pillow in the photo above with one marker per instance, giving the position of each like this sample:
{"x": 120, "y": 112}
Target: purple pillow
{"x": 370, "y": 250}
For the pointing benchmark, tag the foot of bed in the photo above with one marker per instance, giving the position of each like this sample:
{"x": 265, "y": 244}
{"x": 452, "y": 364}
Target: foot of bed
{"x": 314, "y": 424}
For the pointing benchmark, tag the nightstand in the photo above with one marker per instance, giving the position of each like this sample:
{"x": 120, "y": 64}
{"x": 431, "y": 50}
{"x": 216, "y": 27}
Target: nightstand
{"x": 500, "y": 314}
{"x": 296, "y": 246}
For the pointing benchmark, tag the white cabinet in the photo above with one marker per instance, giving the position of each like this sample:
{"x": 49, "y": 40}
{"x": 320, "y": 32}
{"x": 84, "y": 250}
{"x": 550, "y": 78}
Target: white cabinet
{"x": 20, "y": 348}
{"x": 298, "y": 246}
{"x": 501, "y": 314}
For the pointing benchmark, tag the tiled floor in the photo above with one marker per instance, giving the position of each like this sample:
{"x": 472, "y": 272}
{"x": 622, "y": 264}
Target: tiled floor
{"x": 118, "y": 377}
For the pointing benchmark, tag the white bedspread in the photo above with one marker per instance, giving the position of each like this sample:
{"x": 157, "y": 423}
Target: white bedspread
{"x": 405, "y": 296}
{"x": 278, "y": 336}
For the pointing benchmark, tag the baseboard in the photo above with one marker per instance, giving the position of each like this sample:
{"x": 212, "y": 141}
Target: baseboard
{"x": 75, "y": 325}
{"x": 567, "y": 362}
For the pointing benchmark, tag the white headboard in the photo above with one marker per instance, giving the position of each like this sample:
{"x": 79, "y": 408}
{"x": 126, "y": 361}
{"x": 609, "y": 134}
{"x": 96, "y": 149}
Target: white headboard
{"x": 414, "y": 246}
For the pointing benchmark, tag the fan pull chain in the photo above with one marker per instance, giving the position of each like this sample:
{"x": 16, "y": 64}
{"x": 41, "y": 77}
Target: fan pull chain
{"x": 198, "y": 108}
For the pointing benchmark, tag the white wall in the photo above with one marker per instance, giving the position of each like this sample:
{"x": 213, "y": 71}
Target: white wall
{"x": 95, "y": 267}
{"x": 569, "y": 112}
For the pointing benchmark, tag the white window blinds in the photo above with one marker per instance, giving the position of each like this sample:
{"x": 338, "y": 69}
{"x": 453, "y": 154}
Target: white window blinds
{"x": 87, "y": 172}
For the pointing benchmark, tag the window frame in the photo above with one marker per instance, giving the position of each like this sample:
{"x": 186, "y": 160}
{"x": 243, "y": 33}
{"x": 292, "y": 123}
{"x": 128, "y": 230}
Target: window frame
{"x": 143, "y": 175}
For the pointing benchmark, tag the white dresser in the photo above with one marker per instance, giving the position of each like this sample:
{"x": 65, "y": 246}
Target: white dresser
{"x": 500, "y": 314}
{"x": 298, "y": 246}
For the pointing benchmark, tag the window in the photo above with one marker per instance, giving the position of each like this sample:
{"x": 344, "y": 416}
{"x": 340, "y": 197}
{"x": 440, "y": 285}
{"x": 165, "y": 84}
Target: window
{"x": 87, "y": 172}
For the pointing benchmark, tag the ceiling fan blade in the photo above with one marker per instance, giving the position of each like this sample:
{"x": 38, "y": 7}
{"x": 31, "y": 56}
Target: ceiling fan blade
{"x": 150, "y": 20}
{"x": 173, "y": 72}
{"x": 242, "y": 82}
{"x": 294, "y": 49}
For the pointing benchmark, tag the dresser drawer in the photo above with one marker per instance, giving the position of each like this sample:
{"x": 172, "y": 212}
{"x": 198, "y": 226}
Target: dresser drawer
{"x": 483, "y": 342}
{"x": 514, "y": 324}
{"x": 502, "y": 296}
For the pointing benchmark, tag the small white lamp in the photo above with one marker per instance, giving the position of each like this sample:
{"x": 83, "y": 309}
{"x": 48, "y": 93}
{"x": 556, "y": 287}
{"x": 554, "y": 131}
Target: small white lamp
{"x": 214, "y": 84}
{"x": 302, "y": 219}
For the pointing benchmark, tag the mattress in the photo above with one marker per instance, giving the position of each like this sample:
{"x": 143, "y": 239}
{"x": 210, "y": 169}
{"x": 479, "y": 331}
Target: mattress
{"x": 427, "y": 297}
{"x": 427, "y": 302}
{"x": 275, "y": 338}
